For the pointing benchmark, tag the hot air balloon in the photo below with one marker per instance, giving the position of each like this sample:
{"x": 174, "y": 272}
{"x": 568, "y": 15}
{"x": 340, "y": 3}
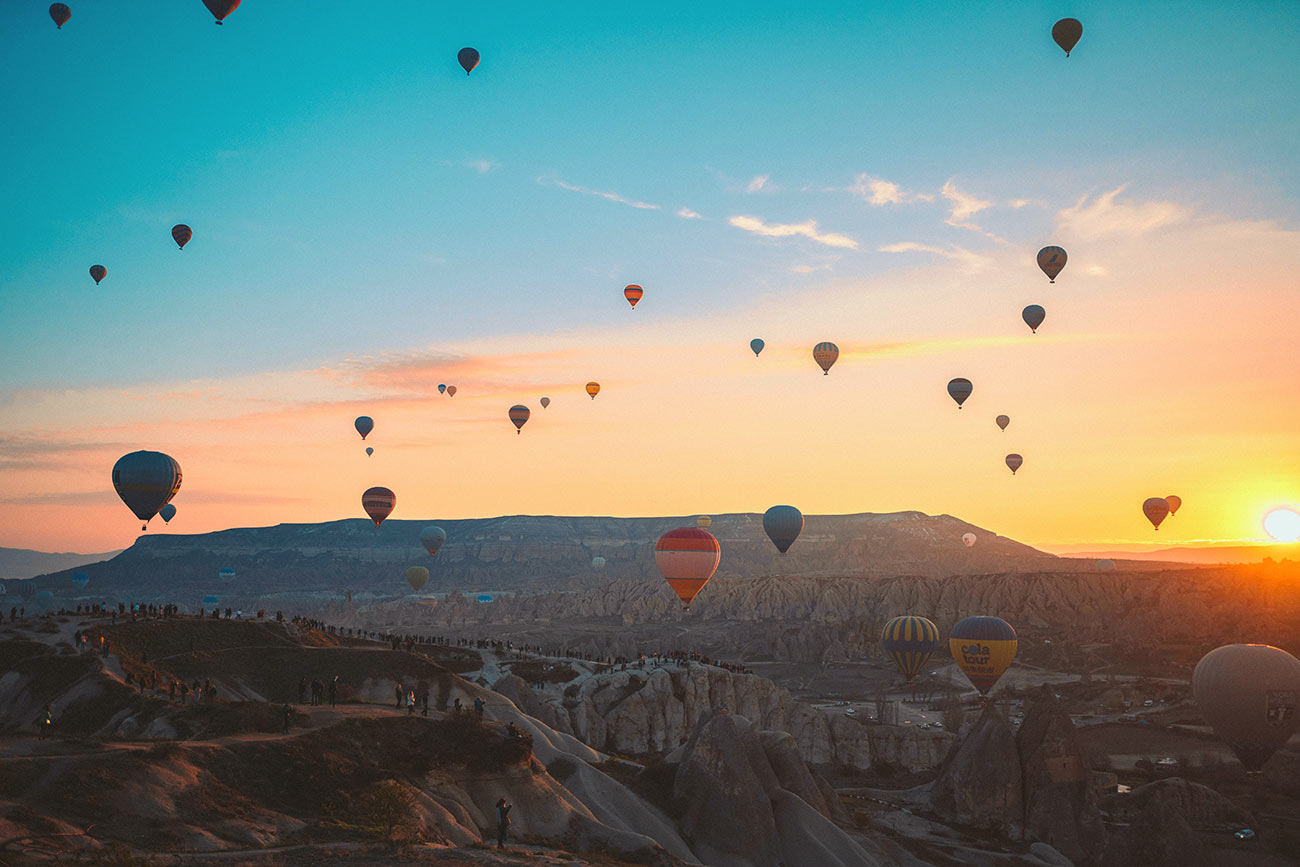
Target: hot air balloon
{"x": 211, "y": 600}
{"x": 167, "y": 512}
{"x": 968, "y": 539}
{"x": 1250, "y": 696}
{"x": 44, "y": 600}
{"x": 483, "y": 597}
{"x": 442, "y": 388}
{"x": 783, "y": 524}
{"x": 181, "y": 234}
{"x": 959, "y": 389}
{"x": 1175, "y": 503}
{"x": 97, "y": 273}
{"x": 369, "y": 451}
{"x": 26, "y": 589}
{"x": 146, "y": 481}
{"x": 221, "y": 8}
{"x": 1003, "y": 421}
{"x": 364, "y": 425}
{"x": 593, "y": 389}
{"x": 598, "y": 562}
{"x": 1033, "y": 316}
{"x": 519, "y": 415}
{"x": 1105, "y": 565}
{"x": 417, "y": 577}
{"x": 983, "y": 648}
{"x": 3, "y": 591}
{"x": 1014, "y": 461}
{"x": 432, "y": 538}
{"x": 545, "y": 402}
{"x": 1066, "y": 33}
{"x": 687, "y": 557}
{"x": 757, "y": 345}
{"x": 1051, "y": 260}
{"x": 60, "y": 13}
{"x": 633, "y": 293}
{"x": 378, "y": 503}
{"x": 704, "y": 522}
{"x": 451, "y": 391}
{"x": 81, "y": 579}
{"x": 468, "y": 58}
{"x": 909, "y": 641}
{"x": 824, "y": 354}
{"x": 226, "y": 574}
{"x": 1156, "y": 509}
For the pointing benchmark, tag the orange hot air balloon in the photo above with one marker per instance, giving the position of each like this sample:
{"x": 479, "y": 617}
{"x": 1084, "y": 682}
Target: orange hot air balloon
{"x": 687, "y": 557}
{"x": 221, "y": 8}
{"x": 593, "y": 389}
{"x": 378, "y": 503}
{"x": 60, "y": 13}
{"x": 519, "y": 416}
{"x": 824, "y": 354}
{"x": 1013, "y": 462}
{"x": 1175, "y": 503}
{"x": 633, "y": 293}
{"x": 97, "y": 273}
{"x": 1156, "y": 509}
{"x": 451, "y": 391}
{"x": 181, "y": 234}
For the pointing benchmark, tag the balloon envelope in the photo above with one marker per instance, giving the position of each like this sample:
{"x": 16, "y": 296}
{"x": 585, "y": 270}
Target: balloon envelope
{"x": 417, "y": 577}
{"x": 442, "y": 388}
{"x": 1156, "y": 509}
{"x": 1033, "y": 316}
{"x": 483, "y": 597}
{"x": 959, "y": 389}
{"x": 598, "y": 562}
{"x": 364, "y": 425}
{"x": 451, "y": 391}
{"x": 146, "y": 481}
{"x": 369, "y": 451}
{"x": 60, "y": 13}
{"x": 983, "y": 648}
{"x": 81, "y": 579}
{"x": 1051, "y": 260}
{"x": 468, "y": 59}
{"x": 519, "y": 415}
{"x": 968, "y": 539}
{"x": 825, "y": 354}
{"x": 97, "y": 273}
{"x": 593, "y": 389}
{"x": 633, "y": 293}
{"x": 757, "y": 345}
{"x": 1003, "y": 421}
{"x": 378, "y": 503}
{"x": 1250, "y": 696}
{"x": 181, "y": 234}
{"x": 783, "y": 524}
{"x": 704, "y": 522}
{"x": 545, "y": 402}
{"x": 909, "y": 641}
{"x": 221, "y": 8}
{"x": 1105, "y": 565}
{"x": 211, "y": 600}
{"x": 167, "y": 512}
{"x": 1014, "y": 461}
{"x": 687, "y": 557}
{"x": 432, "y": 538}
{"x": 226, "y": 574}
{"x": 1066, "y": 33}
{"x": 1175, "y": 503}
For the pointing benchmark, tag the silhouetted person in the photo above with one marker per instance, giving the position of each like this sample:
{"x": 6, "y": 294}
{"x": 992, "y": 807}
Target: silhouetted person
{"x": 45, "y": 722}
{"x": 503, "y": 822}
{"x": 334, "y": 690}
{"x": 398, "y": 693}
{"x": 302, "y": 690}
{"x": 317, "y": 692}
{"x": 479, "y": 705}
{"x": 288, "y": 718}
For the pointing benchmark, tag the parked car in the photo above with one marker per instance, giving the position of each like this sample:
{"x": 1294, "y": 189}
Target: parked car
{"x": 1245, "y": 834}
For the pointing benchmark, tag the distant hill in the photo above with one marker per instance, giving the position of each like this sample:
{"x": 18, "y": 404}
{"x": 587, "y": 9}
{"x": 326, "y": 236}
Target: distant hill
{"x": 1209, "y": 555}
{"x": 22, "y": 563}
{"x": 533, "y": 554}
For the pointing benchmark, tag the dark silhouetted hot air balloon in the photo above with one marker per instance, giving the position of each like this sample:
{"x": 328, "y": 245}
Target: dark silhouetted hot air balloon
{"x": 983, "y": 648}
{"x": 968, "y": 539}
{"x": 909, "y": 640}
{"x": 451, "y": 391}
{"x": 783, "y": 524}
{"x": 81, "y": 579}
{"x": 167, "y": 512}
{"x": 221, "y": 8}
{"x": 959, "y": 389}
{"x": 97, "y": 273}
{"x": 417, "y": 576}
{"x": 824, "y": 354}
{"x": 432, "y": 539}
{"x": 593, "y": 389}
{"x": 598, "y": 562}
{"x": 468, "y": 58}
{"x": 146, "y": 481}
{"x": 1014, "y": 461}
{"x": 1175, "y": 503}
{"x": 442, "y": 388}
{"x": 226, "y": 574}
{"x": 1105, "y": 565}
{"x": 1003, "y": 421}
{"x": 1033, "y": 316}
{"x": 1250, "y": 696}
{"x": 1066, "y": 33}
{"x": 1156, "y": 509}
{"x": 704, "y": 522}
{"x": 378, "y": 503}
{"x": 519, "y": 415}
{"x": 181, "y": 234}
{"x": 545, "y": 402}
{"x": 1051, "y": 260}
{"x": 369, "y": 451}
{"x": 687, "y": 557}
{"x": 60, "y": 13}
{"x": 633, "y": 293}
{"x": 757, "y": 345}
{"x": 364, "y": 425}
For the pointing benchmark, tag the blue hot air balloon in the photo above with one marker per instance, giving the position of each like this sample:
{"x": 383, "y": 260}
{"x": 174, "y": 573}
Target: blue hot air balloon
{"x": 81, "y": 579}
{"x": 146, "y": 481}
{"x": 483, "y": 597}
{"x": 167, "y": 512}
{"x": 44, "y": 600}
{"x": 909, "y": 641}
{"x": 211, "y": 600}
{"x": 226, "y": 574}
{"x": 783, "y": 524}
{"x": 1033, "y": 316}
{"x": 757, "y": 345}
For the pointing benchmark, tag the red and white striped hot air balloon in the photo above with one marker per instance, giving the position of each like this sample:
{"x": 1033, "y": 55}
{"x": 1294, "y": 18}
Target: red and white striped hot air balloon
{"x": 378, "y": 503}
{"x": 633, "y": 293}
{"x": 687, "y": 557}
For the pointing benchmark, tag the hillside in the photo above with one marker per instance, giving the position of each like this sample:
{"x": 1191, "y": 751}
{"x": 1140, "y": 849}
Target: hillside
{"x": 23, "y": 563}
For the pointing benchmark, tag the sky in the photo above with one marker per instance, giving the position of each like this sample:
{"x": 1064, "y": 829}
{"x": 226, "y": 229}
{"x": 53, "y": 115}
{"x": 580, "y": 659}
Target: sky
{"x": 369, "y": 222}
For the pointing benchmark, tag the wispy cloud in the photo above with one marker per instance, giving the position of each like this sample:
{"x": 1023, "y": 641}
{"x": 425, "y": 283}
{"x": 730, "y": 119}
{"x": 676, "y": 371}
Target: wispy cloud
{"x": 688, "y": 214}
{"x": 969, "y": 258}
{"x": 963, "y": 206}
{"x": 613, "y": 197}
{"x": 482, "y": 165}
{"x": 878, "y": 191}
{"x": 757, "y": 183}
{"x": 1105, "y": 215}
{"x": 788, "y": 230}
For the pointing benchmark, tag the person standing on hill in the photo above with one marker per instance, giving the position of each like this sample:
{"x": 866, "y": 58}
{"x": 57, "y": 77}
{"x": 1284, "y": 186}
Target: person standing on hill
{"x": 302, "y": 690}
{"x": 334, "y": 690}
{"x": 479, "y": 705}
{"x": 288, "y": 718}
{"x": 503, "y": 822}
{"x": 398, "y": 692}
{"x": 45, "y": 722}
{"x": 410, "y": 703}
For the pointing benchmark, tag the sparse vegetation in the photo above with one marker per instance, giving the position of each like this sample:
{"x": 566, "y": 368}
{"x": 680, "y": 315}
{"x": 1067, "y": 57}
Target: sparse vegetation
{"x": 387, "y": 808}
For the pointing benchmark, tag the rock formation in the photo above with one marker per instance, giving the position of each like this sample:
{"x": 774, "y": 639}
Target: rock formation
{"x": 979, "y": 782}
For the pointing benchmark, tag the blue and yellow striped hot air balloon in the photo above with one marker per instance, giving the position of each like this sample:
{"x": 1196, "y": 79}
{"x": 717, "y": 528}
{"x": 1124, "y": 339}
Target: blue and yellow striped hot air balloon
{"x": 825, "y": 354}
{"x": 909, "y": 640}
{"x": 983, "y": 648}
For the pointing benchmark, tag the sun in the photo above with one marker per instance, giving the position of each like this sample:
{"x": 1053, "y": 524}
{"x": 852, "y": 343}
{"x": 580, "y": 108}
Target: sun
{"x": 1283, "y": 525}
